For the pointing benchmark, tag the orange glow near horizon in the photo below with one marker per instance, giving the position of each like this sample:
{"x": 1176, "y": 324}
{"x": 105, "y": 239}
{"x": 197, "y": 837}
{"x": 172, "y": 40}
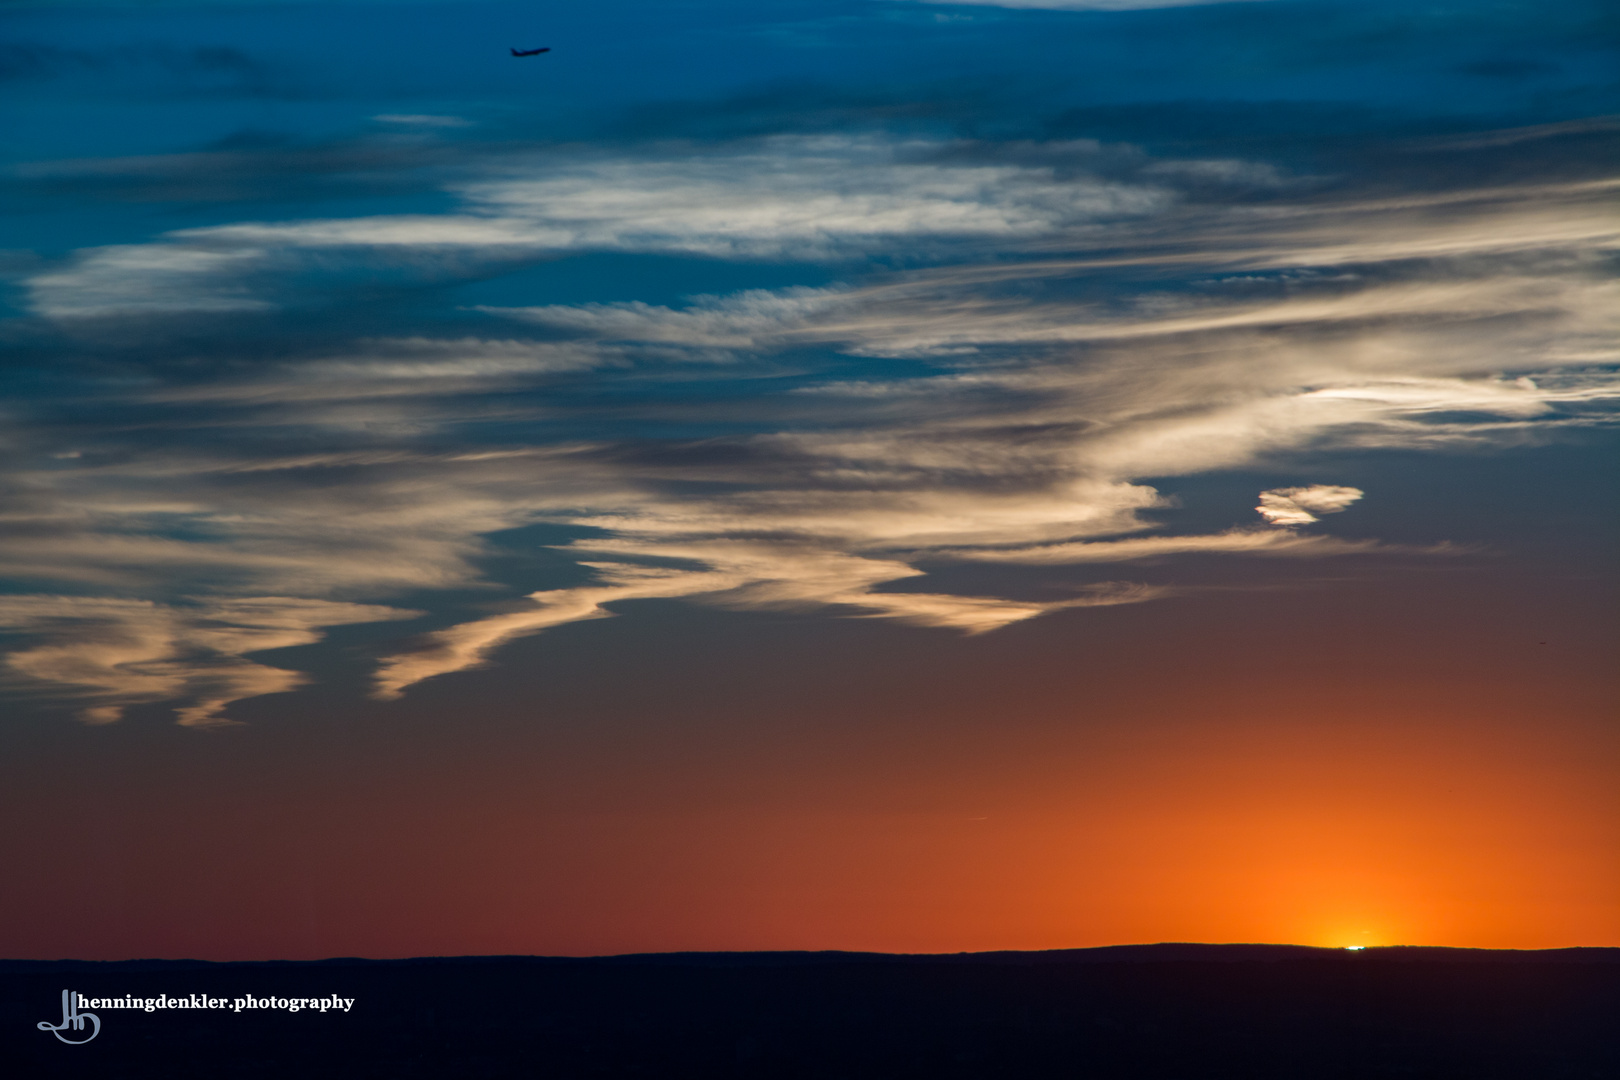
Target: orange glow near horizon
{"x": 1308, "y": 834}
{"x": 1320, "y": 837}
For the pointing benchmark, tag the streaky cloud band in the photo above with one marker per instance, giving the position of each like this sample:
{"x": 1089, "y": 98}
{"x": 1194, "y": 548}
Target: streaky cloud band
{"x": 1071, "y": 324}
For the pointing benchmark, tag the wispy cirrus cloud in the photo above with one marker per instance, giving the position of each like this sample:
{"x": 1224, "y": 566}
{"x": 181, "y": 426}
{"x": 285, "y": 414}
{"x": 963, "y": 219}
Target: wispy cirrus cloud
{"x": 1267, "y": 542}
{"x": 1063, "y": 330}
{"x": 120, "y": 652}
{"x": 738, "y": 574}
{"x": 792, "y": 197}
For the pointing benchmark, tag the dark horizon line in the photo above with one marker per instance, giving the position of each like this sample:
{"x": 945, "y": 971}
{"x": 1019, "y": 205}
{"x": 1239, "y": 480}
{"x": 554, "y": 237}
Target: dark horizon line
{"x": 1159, "y": 952}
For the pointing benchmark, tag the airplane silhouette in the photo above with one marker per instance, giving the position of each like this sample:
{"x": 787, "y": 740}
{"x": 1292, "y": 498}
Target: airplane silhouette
{"x": 530, "y": 52}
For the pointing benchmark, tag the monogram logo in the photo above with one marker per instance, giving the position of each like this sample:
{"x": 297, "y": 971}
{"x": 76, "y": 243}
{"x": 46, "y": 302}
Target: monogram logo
{"x": 72, "y": 1020}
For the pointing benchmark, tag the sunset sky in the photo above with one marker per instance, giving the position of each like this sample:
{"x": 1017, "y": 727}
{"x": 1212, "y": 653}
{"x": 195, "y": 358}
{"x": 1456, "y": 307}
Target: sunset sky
{"x": 808, "y": 474}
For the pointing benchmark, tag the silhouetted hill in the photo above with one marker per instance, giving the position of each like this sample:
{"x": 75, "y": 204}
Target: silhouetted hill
{"x": 1144, "y": 1011}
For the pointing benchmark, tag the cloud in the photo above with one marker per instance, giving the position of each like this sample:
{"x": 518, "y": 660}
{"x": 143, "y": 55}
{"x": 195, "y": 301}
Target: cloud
{"x": 1058, "y": 326}
{"x": 253, "y": 165}
{"x": 467, "y": 645}
{"x": 116, "y": 652}
{"x": 1303, "y": 505}
{"x": 795, "y": 197}
{"x": 747, "y": 320}
{"x": 214, "y": 70}
{"x": 821, "y": 198}
{"x": 1231, "y": 542}
{"x": 153, "y": 278}
{"x": 740, "y": 575}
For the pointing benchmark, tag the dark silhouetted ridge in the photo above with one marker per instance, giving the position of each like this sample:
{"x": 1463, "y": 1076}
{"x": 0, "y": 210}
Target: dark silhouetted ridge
{"x": 1130, "y": 1012}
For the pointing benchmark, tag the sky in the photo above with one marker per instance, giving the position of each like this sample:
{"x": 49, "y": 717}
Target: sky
{"x": 821, "y": 474}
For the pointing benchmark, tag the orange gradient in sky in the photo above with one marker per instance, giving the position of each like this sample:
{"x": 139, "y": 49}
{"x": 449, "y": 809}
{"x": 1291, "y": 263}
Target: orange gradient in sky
{"x": 1329, "y": 833}
{"x": 1326, "y": 840}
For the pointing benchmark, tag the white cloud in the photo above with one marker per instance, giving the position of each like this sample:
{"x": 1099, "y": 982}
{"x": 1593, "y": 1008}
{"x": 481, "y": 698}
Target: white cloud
{"x": 795, "y": 197}
{"x": 1303, "y": 505}
{"x": 1231, "y": 542}
{"x": 741, "y": 575}
{"x": 747, "y": 320}
{"x": 1031, "y": 390}
{"x": 116, "y": 652}
{"x": 152, "y": 278}
{"x": 806, "y": 197}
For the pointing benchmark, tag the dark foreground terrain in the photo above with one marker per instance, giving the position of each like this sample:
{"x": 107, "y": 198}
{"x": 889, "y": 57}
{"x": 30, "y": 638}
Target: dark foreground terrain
{"x": 1186, "y": 1012}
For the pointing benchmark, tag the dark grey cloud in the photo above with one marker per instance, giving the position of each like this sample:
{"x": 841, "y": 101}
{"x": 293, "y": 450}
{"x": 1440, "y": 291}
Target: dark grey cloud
{"x": 151, "y": 67}
{"x": 250, "y": 166}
